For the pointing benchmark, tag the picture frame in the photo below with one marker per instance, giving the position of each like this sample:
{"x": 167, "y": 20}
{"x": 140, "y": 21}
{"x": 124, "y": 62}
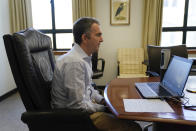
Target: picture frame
{"x": 120, "y": 12}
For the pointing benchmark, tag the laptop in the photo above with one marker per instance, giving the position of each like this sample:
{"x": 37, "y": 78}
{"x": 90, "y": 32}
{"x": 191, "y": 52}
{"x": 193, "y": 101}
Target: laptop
{"x": 173, "y": 82}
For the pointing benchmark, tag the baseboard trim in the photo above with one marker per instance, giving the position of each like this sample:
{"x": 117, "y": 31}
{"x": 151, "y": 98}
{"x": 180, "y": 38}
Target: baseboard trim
{"x": 6, "y": 95}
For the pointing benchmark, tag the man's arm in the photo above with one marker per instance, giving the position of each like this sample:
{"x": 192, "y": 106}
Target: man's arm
{"x": 74, "y": 76}
{"x": 96, "y": 96}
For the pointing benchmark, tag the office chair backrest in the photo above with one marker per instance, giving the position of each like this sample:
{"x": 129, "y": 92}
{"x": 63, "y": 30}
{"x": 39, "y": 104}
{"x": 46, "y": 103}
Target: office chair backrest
{"x": 94, "y": 61}
{"x": 97, "y": 73}
{"x": 154, "y": 55}
{"x": 32, "y": 63}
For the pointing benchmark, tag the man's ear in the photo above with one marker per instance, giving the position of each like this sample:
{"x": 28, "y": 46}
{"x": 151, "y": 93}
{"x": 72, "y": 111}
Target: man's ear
{"x": 84, "y": 37}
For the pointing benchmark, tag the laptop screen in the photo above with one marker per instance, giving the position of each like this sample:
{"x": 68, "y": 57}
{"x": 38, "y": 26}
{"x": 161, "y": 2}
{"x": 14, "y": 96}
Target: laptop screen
{"x": 177, "y": 74}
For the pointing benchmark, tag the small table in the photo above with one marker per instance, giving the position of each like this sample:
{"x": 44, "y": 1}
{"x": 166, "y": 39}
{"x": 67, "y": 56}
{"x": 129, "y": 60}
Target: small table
{"x": 124, "y": 88}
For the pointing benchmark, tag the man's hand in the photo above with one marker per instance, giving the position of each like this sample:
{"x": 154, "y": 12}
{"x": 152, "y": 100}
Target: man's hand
{"x": 103, "y": 102}
{"x": 106, "y": 107}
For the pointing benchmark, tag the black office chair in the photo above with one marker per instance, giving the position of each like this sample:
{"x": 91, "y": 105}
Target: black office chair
{"x": 32, "y": 63}
{"x": 97, "y": 73}
{"x": 154, "y": 57}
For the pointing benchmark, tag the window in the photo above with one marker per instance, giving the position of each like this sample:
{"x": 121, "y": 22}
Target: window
{"x": 54, "y": 18}
{"x": 179, "y": 23}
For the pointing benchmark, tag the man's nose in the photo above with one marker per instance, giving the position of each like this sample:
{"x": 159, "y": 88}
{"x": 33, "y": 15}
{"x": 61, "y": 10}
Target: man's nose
{"x": 101, "y": 39}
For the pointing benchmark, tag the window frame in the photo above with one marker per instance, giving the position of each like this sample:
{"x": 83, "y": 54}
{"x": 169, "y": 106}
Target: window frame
{"x": 184, "y": 28}
{"x": 55, "y": 31}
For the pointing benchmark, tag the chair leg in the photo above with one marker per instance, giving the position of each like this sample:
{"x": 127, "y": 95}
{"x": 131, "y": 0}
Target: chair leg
{"x": 146, "y": 127}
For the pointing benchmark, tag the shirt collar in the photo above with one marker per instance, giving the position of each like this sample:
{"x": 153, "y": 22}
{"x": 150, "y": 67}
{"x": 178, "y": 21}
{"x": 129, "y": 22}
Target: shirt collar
{"x": 81, "y": 52}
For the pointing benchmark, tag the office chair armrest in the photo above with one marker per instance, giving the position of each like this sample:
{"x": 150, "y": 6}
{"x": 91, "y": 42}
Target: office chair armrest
{"x": 103, "y": 63}
{"x": 60, "y": 119}
{"x": 152, "y": 74}
{"x": 66, "y": 115}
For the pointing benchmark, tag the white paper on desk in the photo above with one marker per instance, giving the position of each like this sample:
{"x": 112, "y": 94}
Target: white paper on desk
{"x": 146, "y": 105}
{"x": 189, "y": 98}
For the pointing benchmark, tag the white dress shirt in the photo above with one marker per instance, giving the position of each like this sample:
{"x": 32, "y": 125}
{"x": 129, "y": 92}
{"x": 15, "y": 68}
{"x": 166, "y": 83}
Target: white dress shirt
{"x": 71, "y": 85}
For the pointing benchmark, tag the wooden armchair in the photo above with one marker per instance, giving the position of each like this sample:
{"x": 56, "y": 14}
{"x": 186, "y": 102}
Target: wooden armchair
{"x": 130, "y": 62}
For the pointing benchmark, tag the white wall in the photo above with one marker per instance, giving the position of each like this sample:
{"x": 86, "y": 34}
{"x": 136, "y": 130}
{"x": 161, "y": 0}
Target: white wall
{"x": 114, "y": 37}
{"x": 128, "y": 36}
{"x": 6, "y": 79}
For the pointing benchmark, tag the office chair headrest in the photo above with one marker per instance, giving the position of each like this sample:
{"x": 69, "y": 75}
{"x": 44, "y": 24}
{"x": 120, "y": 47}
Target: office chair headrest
{"x": 35, "y": 40}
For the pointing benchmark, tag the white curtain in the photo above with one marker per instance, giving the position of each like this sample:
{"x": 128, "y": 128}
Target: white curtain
{"x": 152, "y": 23}
{"x": 20, "y": 14}
{"x": 82, "y": 8}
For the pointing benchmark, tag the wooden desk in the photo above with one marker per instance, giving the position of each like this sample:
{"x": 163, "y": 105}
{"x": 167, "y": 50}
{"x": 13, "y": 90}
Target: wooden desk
{"x": 119, "y": 89}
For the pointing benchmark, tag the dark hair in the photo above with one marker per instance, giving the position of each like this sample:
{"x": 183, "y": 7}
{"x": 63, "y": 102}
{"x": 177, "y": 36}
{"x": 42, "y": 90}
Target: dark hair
{"x": 82, "y": 26}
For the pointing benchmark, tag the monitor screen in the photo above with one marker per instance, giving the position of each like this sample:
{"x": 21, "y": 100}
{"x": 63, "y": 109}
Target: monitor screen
{"x": 177, "y": 74}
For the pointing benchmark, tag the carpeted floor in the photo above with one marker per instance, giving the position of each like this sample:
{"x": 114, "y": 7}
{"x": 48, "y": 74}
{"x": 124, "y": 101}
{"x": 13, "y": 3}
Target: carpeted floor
{"x": 10, "y": 113}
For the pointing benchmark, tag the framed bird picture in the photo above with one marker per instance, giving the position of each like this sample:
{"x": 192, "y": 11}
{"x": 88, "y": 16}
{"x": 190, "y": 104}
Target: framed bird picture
{"x": 119, "y": 12}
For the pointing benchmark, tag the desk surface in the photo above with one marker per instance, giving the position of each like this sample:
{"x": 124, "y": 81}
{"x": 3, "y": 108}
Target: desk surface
{"x": 124, "y": 88}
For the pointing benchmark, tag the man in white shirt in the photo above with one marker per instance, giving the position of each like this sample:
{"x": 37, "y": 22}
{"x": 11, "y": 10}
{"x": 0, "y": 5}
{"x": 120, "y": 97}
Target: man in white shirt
{"x": 72, "y": 82}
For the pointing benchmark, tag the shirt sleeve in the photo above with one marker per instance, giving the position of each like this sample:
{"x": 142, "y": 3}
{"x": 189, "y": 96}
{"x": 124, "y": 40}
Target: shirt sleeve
{"x": 73, "y": 82}
{"x": 95, "y": 95}
{"x": 74, "y": 75}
